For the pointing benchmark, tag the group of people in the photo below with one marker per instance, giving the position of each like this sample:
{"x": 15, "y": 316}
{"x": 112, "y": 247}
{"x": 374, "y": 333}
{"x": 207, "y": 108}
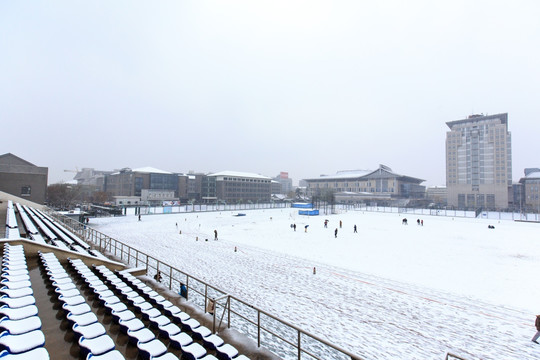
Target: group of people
{"x": 418, "y": 222}
{"x": 355, "y": 229}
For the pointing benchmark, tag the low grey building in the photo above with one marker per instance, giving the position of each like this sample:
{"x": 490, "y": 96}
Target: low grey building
{"x": 22, "y": 178}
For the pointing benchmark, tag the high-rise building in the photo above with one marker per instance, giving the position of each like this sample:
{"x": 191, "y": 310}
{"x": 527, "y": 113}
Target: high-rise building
{"x": 479, "y": 162}
{"x": 285, "y": 183}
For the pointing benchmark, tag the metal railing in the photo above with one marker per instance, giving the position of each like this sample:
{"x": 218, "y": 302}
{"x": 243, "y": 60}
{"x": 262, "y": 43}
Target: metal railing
{"x": 450, "y": 356}
{"x": 267, "y": 330}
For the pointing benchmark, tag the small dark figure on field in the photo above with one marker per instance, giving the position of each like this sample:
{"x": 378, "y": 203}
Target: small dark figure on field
{"x": 335, "y": 233}
{"x": 537, "y": 324}
{"x": 183, "y": 290}
{"x": 355, "y": 228}
{"x": 404, "y": 221}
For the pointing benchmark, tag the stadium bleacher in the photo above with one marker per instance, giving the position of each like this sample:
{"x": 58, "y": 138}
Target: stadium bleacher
{"x": 75, "y": 305}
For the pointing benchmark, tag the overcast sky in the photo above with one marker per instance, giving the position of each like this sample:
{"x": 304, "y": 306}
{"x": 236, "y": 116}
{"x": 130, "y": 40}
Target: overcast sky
{"x": 308, "y": 87}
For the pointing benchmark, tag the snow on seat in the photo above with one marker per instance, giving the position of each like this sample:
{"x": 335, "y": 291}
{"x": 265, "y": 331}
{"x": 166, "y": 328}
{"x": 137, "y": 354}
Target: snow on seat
{"x": 18, "y": 302}
{"x": 96, "y": 346}
{"x": 18, "y": 313}
{"x": 226, "y": 352}
{"x": 132, "y": 324}
{"x": 172, "y": 310}
{"x": 89, "y": 331}
{"x": 97, "y": 288}
{"x": 157, "y": 299}
{"x": 107, "y": 296}
{"x": 6, "y": 278}
{"x": 67, "y": 293}
{"x": 151, "y": 349}
{"x": 116, "y": 307}
{"x": 142, "y": 306}
{"x": 193, "y": 351}
{"x": 122, "y": 315}
{"x": 39, "y": 353}
{"x": 21, "y": 326}
{"x": 59, "y": 277}
{"x": 111, "y": 355}
{"x": 16, "y": 272}
{"x": 13, "y": 261}
{"x": 180, "y": 318}
{"x": 82, "y": 319}
{"x": 15, "y": 284}
{"x": 76, "y": 309}
{"x": 142, "y": 335}
{"x": 14, "y": 267}
{"x": 166, "y": 356}
{"x": 169, "y": 329}
{"x": 201, "y": 332}
{"x": 23, "y": 342}
{"x": 212, "y": 357}
{"x": 158, "y": 321}
{"x": 212, "y": 342}
{"x": 136, "y": 300}
{"x": 17, "y": 293}
{"x": 72, "y": 300}
{"x": 150, "y": 313}
{"x": 65, "y": 286}
{"x": 190, "y": 324}
{"x": 63, "y": 280}
{"x": 180, "y": 340}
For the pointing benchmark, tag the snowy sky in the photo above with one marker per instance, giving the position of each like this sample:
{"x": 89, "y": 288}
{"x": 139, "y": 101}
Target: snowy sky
{"x": 308, "y": 87}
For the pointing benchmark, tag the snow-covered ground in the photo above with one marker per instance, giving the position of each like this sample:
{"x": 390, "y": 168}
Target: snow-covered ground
{"x": 389, "y": 291}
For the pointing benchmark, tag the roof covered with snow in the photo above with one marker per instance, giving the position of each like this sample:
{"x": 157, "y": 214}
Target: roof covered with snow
{"x": 533, "y": 175}
{"x": 152, "y": 170}
{"x": 344, "y": 174}
{"x": 240, "y": 175}
{"x": 145, "y": 170}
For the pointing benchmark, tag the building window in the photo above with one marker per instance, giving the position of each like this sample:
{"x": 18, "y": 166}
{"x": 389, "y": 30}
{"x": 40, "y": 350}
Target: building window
{"x": 26, "y": 190}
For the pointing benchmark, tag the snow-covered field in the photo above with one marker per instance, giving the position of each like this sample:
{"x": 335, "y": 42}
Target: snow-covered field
{"x": 389, "y": 291}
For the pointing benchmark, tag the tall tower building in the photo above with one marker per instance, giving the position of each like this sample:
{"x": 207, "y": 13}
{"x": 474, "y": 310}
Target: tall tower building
{"x": 479, "y": 162}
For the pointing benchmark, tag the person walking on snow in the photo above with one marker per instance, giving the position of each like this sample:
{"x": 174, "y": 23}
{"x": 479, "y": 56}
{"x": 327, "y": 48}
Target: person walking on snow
{"x": 335, "y": 233}
{"x": 355, "y": 229}
{"x": 215, "y": 234}
{"x": 537, "y": 324}
{"x": 340, "y": 224}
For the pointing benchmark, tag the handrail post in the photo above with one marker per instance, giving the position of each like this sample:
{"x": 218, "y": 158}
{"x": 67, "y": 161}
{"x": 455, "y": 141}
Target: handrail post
{"x": 258, "y": 328}
{"x": 299, "y": 345}
{"x": 229, "y": 312}
{"x": 214, "y": 318}
{"x": 170, "y": 277}
{"x": 205, "y": 296}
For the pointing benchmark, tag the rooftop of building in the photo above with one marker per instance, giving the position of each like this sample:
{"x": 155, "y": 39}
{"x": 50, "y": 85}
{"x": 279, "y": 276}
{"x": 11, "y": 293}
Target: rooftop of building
{"x": 357, "y": 174}
{"x": 240, "y": 175}
{"x": 479, "y": 117}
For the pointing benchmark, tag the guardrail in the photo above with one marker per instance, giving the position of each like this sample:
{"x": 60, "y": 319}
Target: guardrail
{"x": 267, "y": 330}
